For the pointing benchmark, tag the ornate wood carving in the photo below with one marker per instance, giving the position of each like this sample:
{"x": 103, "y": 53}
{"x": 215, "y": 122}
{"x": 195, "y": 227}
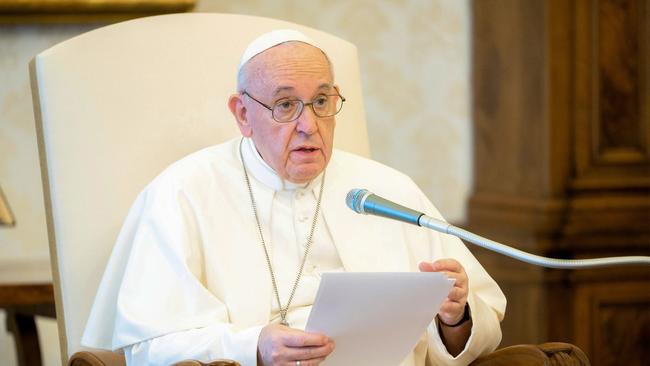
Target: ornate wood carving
{"x": 562, "y": 163}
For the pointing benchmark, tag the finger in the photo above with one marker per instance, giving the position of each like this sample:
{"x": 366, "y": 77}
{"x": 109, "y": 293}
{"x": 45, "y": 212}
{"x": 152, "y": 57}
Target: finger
{"x": 312, "y": 362}
{"x": 452, "y": 305}
{"x": 457, "y": 294}
{"x": 447, "y": 264}
{"x": 425, "y": 266}
{"x": 308, "y": 353}
{"x": 460, "y": 279}
{"x": 298, "y": 338}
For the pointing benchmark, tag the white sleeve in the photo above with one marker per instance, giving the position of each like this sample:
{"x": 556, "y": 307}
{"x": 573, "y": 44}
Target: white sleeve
{"x": 206, "y": 344}
{"x": 165, "y": 312}
{"x": 487, "y": 307}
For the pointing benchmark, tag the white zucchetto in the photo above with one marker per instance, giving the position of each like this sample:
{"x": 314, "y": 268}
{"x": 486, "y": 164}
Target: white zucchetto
{"x": 272, "y": 39}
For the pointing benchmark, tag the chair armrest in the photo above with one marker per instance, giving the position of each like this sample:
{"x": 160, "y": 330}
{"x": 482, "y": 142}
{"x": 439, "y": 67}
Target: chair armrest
{"x": 108, "y": 358}
{"x": 97, "y": 358}
{"x": 554, "y": 353}
{"x": 212, "y": 363}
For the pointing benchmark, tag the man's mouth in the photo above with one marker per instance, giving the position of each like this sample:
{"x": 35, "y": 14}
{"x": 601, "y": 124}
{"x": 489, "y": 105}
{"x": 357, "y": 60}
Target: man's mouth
{"x": 306, "y": 149}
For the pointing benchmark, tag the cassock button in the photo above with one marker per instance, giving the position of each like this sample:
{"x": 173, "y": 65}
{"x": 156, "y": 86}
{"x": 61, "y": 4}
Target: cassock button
{"x": 303, "y": 218}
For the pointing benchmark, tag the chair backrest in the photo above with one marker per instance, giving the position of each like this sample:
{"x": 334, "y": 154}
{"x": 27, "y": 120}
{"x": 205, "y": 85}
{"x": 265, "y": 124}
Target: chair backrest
{"x": 116, "y": 105}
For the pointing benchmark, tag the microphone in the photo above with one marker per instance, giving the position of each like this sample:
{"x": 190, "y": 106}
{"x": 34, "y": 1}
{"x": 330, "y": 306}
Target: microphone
{"x": 364, "y": 202}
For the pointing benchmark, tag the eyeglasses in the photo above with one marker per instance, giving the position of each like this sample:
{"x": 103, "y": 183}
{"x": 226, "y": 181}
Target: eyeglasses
{"x": 288, "y": 109}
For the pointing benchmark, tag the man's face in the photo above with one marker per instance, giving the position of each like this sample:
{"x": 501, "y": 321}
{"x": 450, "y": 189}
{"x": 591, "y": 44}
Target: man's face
{"x": 299, "y": 150}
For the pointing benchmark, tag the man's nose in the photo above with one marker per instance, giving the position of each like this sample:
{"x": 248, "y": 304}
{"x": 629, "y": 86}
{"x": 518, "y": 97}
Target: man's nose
{"x": 307, "y": 122}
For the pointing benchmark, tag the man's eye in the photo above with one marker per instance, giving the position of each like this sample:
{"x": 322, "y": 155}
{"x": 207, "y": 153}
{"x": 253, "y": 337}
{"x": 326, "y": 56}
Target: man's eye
{"x": 321, "y": 101}
{"x": 285, "y": 105}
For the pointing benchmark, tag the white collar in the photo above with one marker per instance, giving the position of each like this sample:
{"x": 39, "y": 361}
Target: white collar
{"x": 263, "y": 172}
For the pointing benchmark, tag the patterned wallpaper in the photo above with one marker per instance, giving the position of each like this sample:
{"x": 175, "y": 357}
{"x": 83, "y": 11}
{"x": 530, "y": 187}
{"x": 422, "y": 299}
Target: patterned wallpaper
{"x": 414, "y": 57}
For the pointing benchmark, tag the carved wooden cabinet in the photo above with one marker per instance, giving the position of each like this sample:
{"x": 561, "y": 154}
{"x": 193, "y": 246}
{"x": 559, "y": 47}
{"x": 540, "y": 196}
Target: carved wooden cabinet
{"x": 561, "y": 108}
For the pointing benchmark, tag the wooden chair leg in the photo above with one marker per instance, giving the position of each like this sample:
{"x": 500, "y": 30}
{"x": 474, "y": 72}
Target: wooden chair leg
{"x": 23, "y": 328}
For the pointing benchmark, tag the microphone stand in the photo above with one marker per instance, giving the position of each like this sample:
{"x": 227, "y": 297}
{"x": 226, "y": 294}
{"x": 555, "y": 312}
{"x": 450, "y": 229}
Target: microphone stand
{"x": 446, "y": 228}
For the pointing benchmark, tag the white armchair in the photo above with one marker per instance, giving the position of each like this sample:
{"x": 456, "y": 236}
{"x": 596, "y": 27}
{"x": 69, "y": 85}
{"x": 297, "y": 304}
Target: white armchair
{"x": 116, "y": 105}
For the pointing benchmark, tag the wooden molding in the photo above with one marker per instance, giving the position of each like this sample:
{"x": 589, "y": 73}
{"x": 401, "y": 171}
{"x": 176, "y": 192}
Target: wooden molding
{"x": 516, "y": 213}
{"x": 86, "y": 11}
{"x": 93, "y": 6}
{"x": 26, "y": 294}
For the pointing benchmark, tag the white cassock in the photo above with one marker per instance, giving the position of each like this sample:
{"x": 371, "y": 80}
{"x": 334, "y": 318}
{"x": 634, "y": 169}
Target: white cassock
{"x": 196, "y": 284}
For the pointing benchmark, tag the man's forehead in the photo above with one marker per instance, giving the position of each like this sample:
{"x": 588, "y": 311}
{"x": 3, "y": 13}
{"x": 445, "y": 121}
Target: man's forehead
{"x": 284, "y": 67}
{"x": 281, "y": 75}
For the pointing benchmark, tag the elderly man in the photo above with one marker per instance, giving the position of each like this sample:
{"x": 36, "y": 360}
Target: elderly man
{"x": 228, "y": 244}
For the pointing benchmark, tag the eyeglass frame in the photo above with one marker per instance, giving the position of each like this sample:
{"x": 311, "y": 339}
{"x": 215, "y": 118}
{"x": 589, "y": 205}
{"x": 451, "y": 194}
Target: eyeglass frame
{"x": 302, "y": 109}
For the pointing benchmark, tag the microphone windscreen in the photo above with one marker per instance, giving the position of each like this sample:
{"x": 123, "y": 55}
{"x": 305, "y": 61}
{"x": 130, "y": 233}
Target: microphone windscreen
{"x": 354, "y": 199}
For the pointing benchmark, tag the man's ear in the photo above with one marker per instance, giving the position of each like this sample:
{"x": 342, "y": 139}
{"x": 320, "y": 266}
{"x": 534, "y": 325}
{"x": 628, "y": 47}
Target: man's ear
{"x": 238, "y": 110}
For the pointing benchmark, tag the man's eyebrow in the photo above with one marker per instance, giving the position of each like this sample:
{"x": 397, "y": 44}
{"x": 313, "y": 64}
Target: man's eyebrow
{"x": 280, "y": 89}
{"x": 325, "y": 86}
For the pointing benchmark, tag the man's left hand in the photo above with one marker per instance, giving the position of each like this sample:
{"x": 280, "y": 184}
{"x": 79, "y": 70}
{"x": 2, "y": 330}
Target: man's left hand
{"x": 453, "y": 308}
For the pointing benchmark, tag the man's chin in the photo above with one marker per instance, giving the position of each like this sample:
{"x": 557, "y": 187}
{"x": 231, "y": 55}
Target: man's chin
{"x": 304, "y": 174}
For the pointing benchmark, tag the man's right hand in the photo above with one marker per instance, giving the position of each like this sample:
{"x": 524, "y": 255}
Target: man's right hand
{"x": 280, "y": 345}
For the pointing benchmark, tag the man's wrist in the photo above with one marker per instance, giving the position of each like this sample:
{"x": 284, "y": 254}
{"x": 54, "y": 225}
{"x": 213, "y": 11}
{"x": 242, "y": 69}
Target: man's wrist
{"x": 466, "y": 317}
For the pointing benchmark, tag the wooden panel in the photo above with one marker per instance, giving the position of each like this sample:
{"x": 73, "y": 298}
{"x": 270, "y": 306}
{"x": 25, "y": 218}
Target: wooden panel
{"x": 562, "y": 166}
{"x": 503, "y": 93}
{"x": 619, "y": 41}
{"x": 521, "y": 146}
{"x": 522, "y": 111}
{"x": 612, "y": 46}
{"x": 610, "y": 202}
{"x": 613, "y": 322}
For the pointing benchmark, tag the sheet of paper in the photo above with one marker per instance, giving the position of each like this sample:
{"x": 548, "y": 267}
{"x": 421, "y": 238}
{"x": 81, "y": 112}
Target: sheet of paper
{"x": 375, "y": 318}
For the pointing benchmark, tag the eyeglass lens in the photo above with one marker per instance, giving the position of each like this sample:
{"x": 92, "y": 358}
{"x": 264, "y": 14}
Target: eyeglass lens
{"x": 323, "y": 106}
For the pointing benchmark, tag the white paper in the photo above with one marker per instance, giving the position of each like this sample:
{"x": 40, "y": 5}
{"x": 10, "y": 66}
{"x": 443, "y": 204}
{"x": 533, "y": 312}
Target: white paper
{"x": 376, "y": 319}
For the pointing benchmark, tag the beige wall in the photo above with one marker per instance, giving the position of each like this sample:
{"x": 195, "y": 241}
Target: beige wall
{"x": 415, "y": 68}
